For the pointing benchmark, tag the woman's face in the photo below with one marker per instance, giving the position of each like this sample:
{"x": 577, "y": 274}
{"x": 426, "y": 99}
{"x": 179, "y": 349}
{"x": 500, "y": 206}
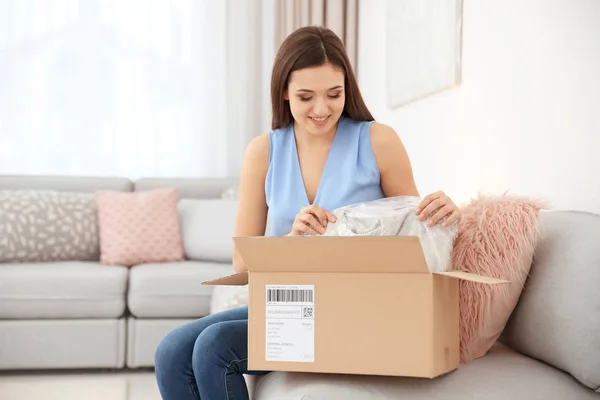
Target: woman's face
{"x": 316, "y": 97}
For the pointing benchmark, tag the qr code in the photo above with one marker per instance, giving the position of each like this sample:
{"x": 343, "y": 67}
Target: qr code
{"x": 307, "y": 312}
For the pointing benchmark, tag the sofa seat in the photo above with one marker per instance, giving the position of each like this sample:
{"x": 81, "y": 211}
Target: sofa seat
{"x": 502, "y": 374}
{"x": 173, "y": 290}
{"x": 62, "y": 290}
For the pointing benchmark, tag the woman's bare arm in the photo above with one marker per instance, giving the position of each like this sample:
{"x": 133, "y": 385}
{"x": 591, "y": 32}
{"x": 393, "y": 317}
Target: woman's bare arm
{"x": 251, "y": 216}
{"x": 397, "y": 177}
{"x": 394, "y": 164}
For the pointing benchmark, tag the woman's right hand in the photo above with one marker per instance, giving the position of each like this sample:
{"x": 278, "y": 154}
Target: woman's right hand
{"x": 311, "y": 220}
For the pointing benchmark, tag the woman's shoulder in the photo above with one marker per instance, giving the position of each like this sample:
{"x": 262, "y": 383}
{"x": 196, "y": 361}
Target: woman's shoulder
{"x": 377, "y": 130}
{"x": 386, "y": 143}
{"x": 262, "y": 147}
{"x": 382, "y": 133}
{"x": 378, "y": 135}
{"x": 393, "y": 161}
{"x": 258, "y": 153}
{"x": 259, "y": 143}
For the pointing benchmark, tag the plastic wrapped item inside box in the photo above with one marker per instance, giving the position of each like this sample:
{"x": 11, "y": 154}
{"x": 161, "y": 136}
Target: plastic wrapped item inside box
{"x": 396, "y": 216}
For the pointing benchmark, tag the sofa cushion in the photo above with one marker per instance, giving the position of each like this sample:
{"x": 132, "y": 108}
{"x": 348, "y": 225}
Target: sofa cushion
{"x": 557, "y": 319}
{"x": 173, "y": 290}
{"x": 139, "y": 227}
{"x": 71, "y": 289}
{"x": 207, "y": 226}
{"x": 47, "y": 225}
{"x": 502, "y": 374}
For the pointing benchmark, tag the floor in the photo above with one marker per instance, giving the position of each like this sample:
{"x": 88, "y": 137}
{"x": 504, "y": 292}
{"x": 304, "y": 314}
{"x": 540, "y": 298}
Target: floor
{"x": 108, "y": 385}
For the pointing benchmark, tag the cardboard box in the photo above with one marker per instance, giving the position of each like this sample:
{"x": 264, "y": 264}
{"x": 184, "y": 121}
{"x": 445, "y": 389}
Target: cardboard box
{"x": 352, "y": 305}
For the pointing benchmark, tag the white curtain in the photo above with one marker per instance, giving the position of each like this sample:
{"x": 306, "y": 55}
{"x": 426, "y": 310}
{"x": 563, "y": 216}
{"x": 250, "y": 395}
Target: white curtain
{"x": 136, "y": 88}
{"x": 111, "y": 87}
{"x": 341, "y": 16}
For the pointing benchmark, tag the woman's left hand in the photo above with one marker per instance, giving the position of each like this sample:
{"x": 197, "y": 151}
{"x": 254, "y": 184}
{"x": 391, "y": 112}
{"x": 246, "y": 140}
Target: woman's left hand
{"x": 436, "y": 206}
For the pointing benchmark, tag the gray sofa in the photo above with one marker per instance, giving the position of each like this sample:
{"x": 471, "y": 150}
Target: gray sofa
{"x": 87, "y": 315}
{"x": 82, "y": 314}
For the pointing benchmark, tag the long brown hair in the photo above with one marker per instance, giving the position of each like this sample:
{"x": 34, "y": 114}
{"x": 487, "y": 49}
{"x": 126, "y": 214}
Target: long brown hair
{"x": 313, "y": 46}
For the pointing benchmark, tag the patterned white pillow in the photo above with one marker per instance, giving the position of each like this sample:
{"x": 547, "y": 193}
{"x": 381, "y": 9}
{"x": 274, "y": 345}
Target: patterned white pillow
{"x": 46, "y": 225}
{"x": 231, "y": 193}
{"x": 228, "y": 297}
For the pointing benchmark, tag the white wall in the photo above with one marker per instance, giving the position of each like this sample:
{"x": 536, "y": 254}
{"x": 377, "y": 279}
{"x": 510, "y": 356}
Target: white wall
{"x": 528, "y": 108}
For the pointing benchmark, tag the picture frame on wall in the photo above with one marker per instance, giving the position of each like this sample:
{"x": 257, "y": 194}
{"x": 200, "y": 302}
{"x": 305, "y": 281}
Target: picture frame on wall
{"x": 423, "y": 48}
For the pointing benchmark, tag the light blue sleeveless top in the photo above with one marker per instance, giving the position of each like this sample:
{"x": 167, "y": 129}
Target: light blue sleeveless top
{"x": 350, "y": 175}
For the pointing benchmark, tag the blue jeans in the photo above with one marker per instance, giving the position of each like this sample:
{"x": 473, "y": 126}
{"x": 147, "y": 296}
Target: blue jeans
{"x": 205, "y": 359}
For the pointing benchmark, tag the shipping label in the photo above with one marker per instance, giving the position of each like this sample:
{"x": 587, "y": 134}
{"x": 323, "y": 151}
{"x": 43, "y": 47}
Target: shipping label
{"x": 290, "y": 323}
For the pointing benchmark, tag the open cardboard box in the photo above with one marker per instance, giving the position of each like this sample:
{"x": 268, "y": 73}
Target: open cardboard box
{"x": 353, "y": 305}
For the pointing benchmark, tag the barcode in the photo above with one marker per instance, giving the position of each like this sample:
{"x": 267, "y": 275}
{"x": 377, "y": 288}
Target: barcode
{"x": 290, "y": 296}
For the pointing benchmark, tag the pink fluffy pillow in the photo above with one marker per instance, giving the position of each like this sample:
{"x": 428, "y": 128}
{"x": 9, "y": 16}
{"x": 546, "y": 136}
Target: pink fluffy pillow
{"x": 497, "y": 238}
{"x": 139, "y": 227}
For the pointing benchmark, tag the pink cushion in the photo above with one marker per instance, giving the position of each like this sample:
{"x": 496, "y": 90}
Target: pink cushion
{"x": 496, "y": 238}
{"x": 139, "y": 227}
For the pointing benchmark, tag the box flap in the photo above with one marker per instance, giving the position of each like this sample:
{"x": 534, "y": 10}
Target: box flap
{"x": 239, "y": 279}
{"x": 332, "y": 253}
{"x": 468, "y": 276}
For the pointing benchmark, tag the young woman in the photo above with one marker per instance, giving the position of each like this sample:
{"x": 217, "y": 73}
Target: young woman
{"x": 325, "y": 151}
